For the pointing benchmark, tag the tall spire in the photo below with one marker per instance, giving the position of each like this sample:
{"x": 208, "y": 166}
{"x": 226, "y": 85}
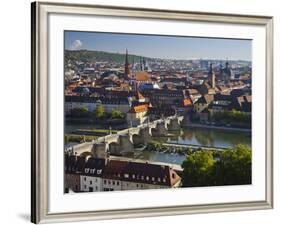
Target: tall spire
{"x": 127, "y": 69}
{"x": 212, "y": 77}
{"x": 211, "y": 68}
{"x": 141, "y": 68}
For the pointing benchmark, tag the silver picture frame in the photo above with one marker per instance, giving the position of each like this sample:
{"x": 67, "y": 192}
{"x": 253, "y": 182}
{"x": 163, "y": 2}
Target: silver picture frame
{"x": 40, "y": 102}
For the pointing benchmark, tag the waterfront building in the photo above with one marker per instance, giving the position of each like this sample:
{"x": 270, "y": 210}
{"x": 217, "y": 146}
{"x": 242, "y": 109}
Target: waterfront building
{"x": 137, "y": 115}
{"x": 193, "y": 94}
{"x": 243, "y": 104}
{"x": 73, "y": 167}
{"x": 219, "y": 106}
{"x": 91, "y": 177}
{"x": 159, "y": 97}
{"x": 138, "y": 175}
{"x": 112, "y": 175}
{"x": 90, "y": 103}
{"x": 106, "y": 174}
{"x": 203, "y": 102}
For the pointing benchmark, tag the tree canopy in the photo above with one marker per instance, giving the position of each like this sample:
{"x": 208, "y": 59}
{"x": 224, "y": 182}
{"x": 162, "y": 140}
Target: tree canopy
{"x": 116, "y": 114}
{"x": 230, "y": 167}
{"x": 99, "y": 112}
{"x": 232, "y": 116}
{"x": 79, "y": 112}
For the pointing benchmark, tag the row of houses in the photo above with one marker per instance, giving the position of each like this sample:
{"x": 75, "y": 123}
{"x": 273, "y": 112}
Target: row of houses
{"x": 135, "y": 105}
{"x": 208, "y": 105}
{"x": 91, "y": 103}
{"x": 224, "y": 102}
{"x": 88, "y": 174}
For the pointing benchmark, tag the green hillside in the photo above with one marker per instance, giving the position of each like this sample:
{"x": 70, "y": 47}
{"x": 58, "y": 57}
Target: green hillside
{"x": 92, "y": 56}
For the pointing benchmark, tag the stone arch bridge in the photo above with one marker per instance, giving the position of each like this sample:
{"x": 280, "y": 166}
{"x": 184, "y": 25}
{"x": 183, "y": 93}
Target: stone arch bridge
{"x": 123, "y": 141}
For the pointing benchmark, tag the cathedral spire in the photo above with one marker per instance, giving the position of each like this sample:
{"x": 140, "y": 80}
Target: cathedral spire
{"x": 127, "y": 69}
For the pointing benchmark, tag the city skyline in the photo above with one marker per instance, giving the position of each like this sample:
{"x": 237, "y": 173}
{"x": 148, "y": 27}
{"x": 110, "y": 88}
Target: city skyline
{"x": 175, "y": 47}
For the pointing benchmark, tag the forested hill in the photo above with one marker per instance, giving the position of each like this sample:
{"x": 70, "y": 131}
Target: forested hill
{"x": 90, "y": 56}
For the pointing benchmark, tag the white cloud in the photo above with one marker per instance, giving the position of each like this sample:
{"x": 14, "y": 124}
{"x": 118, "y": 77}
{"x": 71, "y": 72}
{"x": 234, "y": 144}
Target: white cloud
{"x": 75, "y": 45}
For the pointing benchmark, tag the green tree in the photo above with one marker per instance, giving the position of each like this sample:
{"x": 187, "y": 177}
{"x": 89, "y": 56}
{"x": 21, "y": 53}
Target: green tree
{"x": 116, "y": 114}
{"x": 99, "y": 112}
{"x": 232, "y": 116}
{"x": 196, "y": 169}
{"x": 189, "y": 151}
{"x": 233, "y": 167}
{"x": 79, "y": 112}
{"x": 229, "y": 167}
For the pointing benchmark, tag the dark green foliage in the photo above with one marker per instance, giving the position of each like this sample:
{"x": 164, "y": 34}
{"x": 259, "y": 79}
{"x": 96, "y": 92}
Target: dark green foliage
{"x": 116, "y": 114}
{"x": 80, "y": 112}
{"x": 232, "y": 116}
{"x": 153, "y": 146}
{"x": 211, "y": 168}
{"x": 197, "y": 167}
{"x": 234, "y": 167}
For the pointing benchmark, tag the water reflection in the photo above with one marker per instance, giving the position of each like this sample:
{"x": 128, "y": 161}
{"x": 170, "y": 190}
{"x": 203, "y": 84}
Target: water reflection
{"x": 208, "y": 137}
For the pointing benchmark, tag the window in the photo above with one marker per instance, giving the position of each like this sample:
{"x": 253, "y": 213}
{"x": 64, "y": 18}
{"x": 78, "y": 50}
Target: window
{"x": 113, "y": 182}
{"x": 84, "y": 178}
{"x": 85, "y": 186}
{"x": 147, "y": 177}
{"x": 117, "y": 183}
{"x": 104, "y": 181}
{"x": 91, "y": 182}
{"x": 152, "y": 178}
{"x": 173, "y": 176}
{"x": 126, "y": 175}
{"x": 109, "y": 182}
{"x": 133, "y": 176}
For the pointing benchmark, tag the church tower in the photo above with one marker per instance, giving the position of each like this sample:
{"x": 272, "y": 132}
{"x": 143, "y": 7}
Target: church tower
{"x": 127, "y": 66}
{"x": 212, "y": 76}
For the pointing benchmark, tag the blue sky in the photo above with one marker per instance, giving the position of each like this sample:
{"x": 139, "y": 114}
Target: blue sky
{"x": 169, "y": 47}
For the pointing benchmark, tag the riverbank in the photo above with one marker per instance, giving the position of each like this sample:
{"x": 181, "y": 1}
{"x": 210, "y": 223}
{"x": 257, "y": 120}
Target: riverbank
{"x": 194, "y": 147}
{"x": 205, "y": 126}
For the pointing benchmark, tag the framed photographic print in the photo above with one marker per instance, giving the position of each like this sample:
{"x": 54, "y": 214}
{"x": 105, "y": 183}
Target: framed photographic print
{"x": 146, "y": 112}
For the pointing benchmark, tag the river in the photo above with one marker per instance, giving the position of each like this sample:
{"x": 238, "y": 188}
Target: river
{"x": 189, "y": 136}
